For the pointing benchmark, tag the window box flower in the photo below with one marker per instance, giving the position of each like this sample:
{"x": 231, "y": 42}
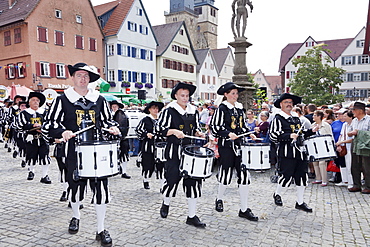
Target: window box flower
{"x": 125, "y": 84}
{"x": 148, "y": 85}
{"x": 139, "y": 85}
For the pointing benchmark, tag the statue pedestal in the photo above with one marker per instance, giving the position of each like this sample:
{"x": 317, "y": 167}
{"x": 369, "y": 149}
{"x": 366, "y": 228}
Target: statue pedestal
{"x": 240, "y": 71}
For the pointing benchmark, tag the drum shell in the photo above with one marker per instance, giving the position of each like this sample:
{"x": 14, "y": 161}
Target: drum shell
{"x": 320, "y": 148}
{"x": 102, "y": 154}
{"x": 255, "y": 156}
{"x": 196, "y": 162}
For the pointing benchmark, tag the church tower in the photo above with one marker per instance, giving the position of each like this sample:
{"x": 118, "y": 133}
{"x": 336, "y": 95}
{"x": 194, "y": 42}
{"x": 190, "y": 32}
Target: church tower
{"x": 200, "y": 17}
{"x": 207, "y": 21}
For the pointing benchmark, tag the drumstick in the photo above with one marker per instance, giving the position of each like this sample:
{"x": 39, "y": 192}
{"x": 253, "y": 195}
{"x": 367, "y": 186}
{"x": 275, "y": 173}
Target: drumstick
{"x": 248, "y": 133}
{"x": 79, "y": 132}
{"x": 194, "y": 137}
{"x": 36, "y": 128}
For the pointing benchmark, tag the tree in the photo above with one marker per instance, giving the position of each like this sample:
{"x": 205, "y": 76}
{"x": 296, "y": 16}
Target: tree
{"x": 315, "y": 80}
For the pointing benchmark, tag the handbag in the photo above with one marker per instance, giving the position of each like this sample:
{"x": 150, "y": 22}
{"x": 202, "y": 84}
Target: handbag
{"x": 343, "y": 151}
{"x": 332, "y": 167}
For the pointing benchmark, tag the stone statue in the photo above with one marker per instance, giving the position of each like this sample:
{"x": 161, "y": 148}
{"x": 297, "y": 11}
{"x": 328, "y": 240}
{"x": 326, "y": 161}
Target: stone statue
{"x": 241, "y": 13}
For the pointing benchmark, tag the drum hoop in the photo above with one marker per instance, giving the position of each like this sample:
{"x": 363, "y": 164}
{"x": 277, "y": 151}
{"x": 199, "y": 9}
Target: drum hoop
{"x": 316, "y": 136}
{"x": 96, "y": 143}
{"x": 187, "y": 152}
{"x": 255, "y": 144}
{"x": 160, "y": 144}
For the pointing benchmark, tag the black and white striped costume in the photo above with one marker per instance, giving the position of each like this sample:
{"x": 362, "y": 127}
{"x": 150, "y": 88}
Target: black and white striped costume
{"x": 148, "y": 163}
{"x": 37, "y": 147}
{"x": 292, "y": 160}
{"x": 228, "y": 118}
{"x": 175, "y": 117}
{"x": 64, "y": 115}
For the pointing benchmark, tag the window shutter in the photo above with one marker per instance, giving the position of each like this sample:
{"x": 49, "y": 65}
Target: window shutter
{"x": 6, "y": 73}
{"x": 287, "y": 74}
{"x": 146, "y": 30}
{"x": 343, "y": 61}
{"x": 350, "y": 77}
{"x": 143, "y": 77}
{"x": 359, "y": 59}
{"x": 151, "y": 78}
{"x": 129, "y": 27}
{"x": 119, "y": 49}
{"x": 141, "y": 28}
{"x": 38, "y": 68}
{"x": 67, "y": 71}
{"x": 53, "y": 70}
{"x": 119, "y": 75}
{"x": 134, "y": 75}
{"x": 353, "y": 59}
{"x": 129, "y": 76}
{"x": 364, "y": 76}
{"x": 128, "y": 51}
{"x": 24, "y": 69}
{"x": 151, "y": 55}
{"x": 133, "y": 53}
{"x": 135, "y": 27}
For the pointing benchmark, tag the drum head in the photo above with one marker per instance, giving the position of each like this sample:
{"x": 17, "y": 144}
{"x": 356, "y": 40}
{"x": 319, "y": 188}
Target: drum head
{"x": 90, "y": 143}
{"x": 255, "y": 144}
{"x": 198, "y": 151}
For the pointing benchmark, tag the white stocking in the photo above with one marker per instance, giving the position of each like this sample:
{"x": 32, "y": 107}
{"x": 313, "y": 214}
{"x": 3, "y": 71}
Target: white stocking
{"x": 243, "y": 192}
{"x": 100, "y": 215}
{"x": 300, "y": 193}
{"x": 221, "y": 191}
{"x": 192, "y": 207}
{"x": 76, "y": 209}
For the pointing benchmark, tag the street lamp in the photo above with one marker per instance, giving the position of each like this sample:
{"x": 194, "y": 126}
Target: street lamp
{"x": 37, "y": 87}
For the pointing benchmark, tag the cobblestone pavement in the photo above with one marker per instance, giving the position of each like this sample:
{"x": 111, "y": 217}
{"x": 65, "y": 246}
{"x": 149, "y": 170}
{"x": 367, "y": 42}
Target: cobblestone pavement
{"x": 32, "y": 215}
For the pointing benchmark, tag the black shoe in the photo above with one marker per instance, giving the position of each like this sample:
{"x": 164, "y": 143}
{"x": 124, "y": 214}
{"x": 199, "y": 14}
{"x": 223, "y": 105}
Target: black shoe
{"x": 15, "y": 153}
{"x": 63, "y": 198}
{"x": 6, "y": 145}
{"x": 124, "y": 175}
{"x": 248, "y": 215}
{"x": 219, "y": 206}
{"x": 104, "y": 238}
{"x": 31, "y": 175}
{"x": 303, "y": 207}
{"x": 73, "y": 226}
{"x": 9, "y": 150}
{"x": 146, "y": 185}
{"x": 23, "y": 164}
{"x": 195, "y": 221}
{"x": 45, "y": 180}
{"x": 311, "y": 175}
{"x": 164, "y": 210}
{"x": 278, "y": 200}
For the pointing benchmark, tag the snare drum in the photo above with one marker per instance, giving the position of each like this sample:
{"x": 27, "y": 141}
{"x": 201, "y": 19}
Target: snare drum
{"x": 97, "y": 159}
{"x": 196, "y": 162}
{"x": 320, "y": 148}
{"x": 255, "y": 156}
{"x": 159, "y": 151}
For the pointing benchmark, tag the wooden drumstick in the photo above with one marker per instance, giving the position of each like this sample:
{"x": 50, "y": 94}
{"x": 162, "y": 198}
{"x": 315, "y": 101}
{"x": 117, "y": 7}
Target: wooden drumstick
{"x": 194, "y": 137}
{"x": 79, "y": 132}
{"x": 248, "y": 133}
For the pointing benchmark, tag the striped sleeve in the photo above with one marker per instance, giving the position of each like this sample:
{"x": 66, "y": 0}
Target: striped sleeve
{"x": 106, "y": 116}
{"x": 163, "y": 124}
{"x": 140, "y": 130}
{"x": 53, "y": 126}
{"x": 217, "y": 124}
{"x": 276, "y": 130}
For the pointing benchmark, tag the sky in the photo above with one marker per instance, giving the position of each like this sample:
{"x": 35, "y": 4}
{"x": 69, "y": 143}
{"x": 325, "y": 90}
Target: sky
{"x": 275, "y": 23}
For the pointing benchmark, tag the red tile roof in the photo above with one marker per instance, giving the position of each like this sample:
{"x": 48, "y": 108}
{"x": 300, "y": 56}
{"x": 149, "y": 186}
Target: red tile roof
{"x": 336, "y": 46}
{"x": 274, "y": 83}
{"x": 19, "y": 12}
{"x": 118, "y": 16}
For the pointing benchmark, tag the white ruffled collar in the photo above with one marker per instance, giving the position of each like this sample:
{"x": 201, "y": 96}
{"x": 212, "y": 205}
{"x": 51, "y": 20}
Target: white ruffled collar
{"x": 32, "y": 112}
{"x": 230, "y": 106}
{"x": 73, "y": 96}
{"x": 190, "y": 109}
{"x": 284, "y": 115}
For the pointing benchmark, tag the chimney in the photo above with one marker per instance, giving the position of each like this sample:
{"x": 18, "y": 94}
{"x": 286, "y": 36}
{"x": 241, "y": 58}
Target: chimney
{"x": 11, "y": 3}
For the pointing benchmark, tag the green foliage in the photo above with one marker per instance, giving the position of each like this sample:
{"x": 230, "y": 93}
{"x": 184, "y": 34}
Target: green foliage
{"x": 315, "y": 79}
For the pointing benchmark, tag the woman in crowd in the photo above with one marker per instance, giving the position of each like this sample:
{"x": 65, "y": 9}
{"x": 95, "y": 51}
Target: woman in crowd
{"x": 329, "y": 116}
{"x": 251, "y": 120}
{"x": 344, "y": 139}
{"x": 323, "y": 128}
{"x": 262, "y": 127}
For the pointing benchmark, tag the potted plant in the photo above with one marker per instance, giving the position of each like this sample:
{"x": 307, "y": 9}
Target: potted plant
{"x": 148, "y": 85}
{"x": 112, "y": 83}
{"x": 139, "y": 85}
{"x": 125, "y": 84}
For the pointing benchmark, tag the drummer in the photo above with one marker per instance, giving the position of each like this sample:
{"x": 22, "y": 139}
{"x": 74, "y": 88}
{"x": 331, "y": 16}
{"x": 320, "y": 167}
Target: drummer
{"x": 37, "y": 147}
{"x": 226, "y": 124}
{"x": 123, "y": 124}
{"x": 145, "y": 133}
{"x": 180, "y": 118}
{"x": 64, "y": 118}
{"x": 292, "y": 161}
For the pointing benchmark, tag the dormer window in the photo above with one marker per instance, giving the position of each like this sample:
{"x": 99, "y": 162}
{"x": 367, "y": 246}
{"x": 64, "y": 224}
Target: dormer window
{"x": 58, "y": 14}
{"x": 79, "y": 19}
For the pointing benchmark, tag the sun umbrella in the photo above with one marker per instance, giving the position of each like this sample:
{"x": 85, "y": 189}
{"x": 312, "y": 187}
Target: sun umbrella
{"x": 110, "y": 97}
